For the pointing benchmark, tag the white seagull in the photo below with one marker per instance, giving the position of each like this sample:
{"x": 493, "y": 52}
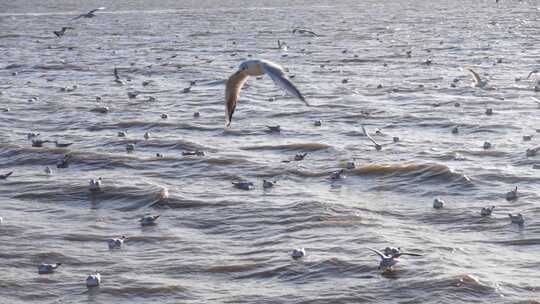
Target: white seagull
{"x": 255, "y": 68}
{"x": 298, "y": 253}
{"x": 90, "y": 14}
{"x": 93, "y": 280}
{"x": 47, "y": 268}
{"x": 116, "y": 243}
{"x": 388, "y": 261}
{"x": 95, "y": 184}
{"x": 149, "y": 220}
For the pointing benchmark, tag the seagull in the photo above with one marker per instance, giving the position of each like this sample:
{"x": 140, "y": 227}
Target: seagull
{"x": 255, "y": 68}
{"x": 268, "y": 184}
{"x": 117, "y": 77}
{"x": 1, "y": 220}
{"x": 5, "y": 176}
{"x": 486, "y": 211}
{"x": 116, "y": 243}
{"x": 477, "y": 81}
{"x": 146, "y": 135}
{"x": 62, "y": 32}
{"x": 304, "y": 31}
{"x": 512, "y": 195}
{"x": 388, "y": 261}
{"x": 48, "y": 170}
{"x": 274, "y": 129}
{"x": 130, "y": 148}
{"x": 337, "y": 175}
{"x": 62, "y": 145}
{"x": 93, "y": 280}
{"x": 32, "y": 135}
{"x": 38, "y": 143}
{"x": 90, "y": 14}
{"x": 95, "y": 184}
{"x": 298, "y": 253}
{"x": 193, "y": 153}
{"x": 244, "y": 185}
{"x": 351, "y": 165}
{"x": 47, "y": 268}
{"x": 438, "y": 203}
{"x": 149, "y": 220}
{"x": 516, "y": 219}
{"x": 282, "y": 45}
{"x": 64, "y": 162}
{"x": 535, "y": 71}
{"x": 378, "y": 147}
{"x": 300, "y": 156}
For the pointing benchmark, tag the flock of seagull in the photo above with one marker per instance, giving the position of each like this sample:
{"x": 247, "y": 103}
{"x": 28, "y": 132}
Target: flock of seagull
{"x": 389, "y": 257}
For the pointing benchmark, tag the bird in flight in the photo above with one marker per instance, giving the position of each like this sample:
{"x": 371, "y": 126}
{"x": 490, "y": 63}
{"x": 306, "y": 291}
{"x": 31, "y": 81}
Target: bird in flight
{"x": 90, "y": 14}
{"x": 255, "y": 68}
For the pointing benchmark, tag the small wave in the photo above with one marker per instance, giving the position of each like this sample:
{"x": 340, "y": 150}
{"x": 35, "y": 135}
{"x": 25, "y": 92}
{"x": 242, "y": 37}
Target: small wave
{"x": 291, "y": 147}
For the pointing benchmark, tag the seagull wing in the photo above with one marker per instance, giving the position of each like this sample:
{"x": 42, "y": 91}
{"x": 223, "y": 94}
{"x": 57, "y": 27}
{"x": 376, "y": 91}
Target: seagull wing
{"x": 280, "y": 79}
{"x": 80, "y": 16}
{"x": 369, "y": 136}
{"x": 95, "y": 10}
{"x": 378, "y": 253}
{"x": 475, "y": 76}
{"x": 406, "y": 253}
{"x": 116, "y": 74}
{"x": 232, "y": 93}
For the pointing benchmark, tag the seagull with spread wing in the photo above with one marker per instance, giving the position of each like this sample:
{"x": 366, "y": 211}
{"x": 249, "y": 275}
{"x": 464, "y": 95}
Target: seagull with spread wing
{"x": 90, "y": 14}
{"x": 255, "y": 68}
{"x": 477, "y": 81}
{"x": 388, "y": 261}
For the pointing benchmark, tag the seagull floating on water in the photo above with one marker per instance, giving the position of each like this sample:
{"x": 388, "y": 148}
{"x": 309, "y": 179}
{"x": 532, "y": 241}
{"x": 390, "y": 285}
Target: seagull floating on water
{"x": 276, "y": 129}
{"x": 38, "y": 143}
{"x": 62, "y": 32}
{"x": 298, "y": 253}
{"x": 516, "y": 219}
{"x": 487, "y": 211}
{"x": 255, "y": 68}
{"x": 90, "y": 14}
{"x": 300, "y": 156}
{"x": 93, "y": 280}
{"x": 149, "y": 220}
{"x": 116, "y": 243}
{"x": 62, "y": 145}
{"x": 337, "y": 175}
{"x": 389, "y": 261}
{"x": 512, "y": 195}
{"x": 350, "y": 165}
{"x": 193, "y": 153}
{"x": 438, "y": 203}
{"x": 244, "y": 185}
{"x": 64, "y": 162}
{"x": 5, "y": 176}
{"x": 48, "y": 170}
{"x": 95, "y": 184}
{"x": 47, "y": 268}
{"x": 31, "y": 135}
{"x": 268, "y": 184}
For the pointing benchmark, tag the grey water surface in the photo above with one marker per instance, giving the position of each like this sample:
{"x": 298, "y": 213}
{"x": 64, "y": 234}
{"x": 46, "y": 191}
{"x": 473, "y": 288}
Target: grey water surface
{"x": 217, "y": 244}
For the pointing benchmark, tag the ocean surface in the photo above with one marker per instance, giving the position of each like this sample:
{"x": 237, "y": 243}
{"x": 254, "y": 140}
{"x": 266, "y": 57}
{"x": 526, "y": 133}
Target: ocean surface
{"x": 215, "y": 243}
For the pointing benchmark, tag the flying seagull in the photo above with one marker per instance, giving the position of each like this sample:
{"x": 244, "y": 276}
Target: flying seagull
{"x": 255, "y": 68}
{"x": 90, "y": 14}
{"x": 62, "y": 32}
